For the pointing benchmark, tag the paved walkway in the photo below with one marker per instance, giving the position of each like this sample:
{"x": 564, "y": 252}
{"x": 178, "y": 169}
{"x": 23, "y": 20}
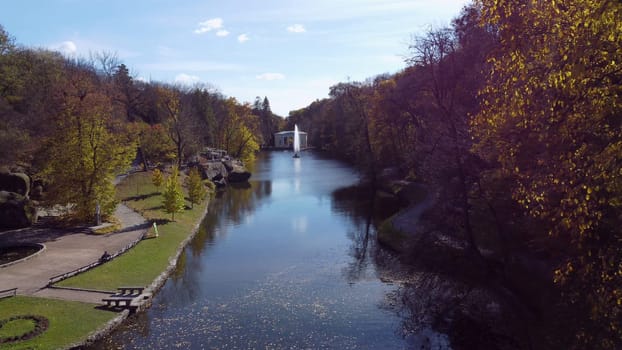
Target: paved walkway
{"x": 66, "y": 250}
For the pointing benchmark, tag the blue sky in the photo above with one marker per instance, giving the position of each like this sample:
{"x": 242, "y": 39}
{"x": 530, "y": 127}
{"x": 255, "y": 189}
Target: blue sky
{"x": 290, "y": 51}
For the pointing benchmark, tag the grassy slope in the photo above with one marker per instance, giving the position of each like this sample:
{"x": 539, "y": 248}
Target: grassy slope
{"x": 143, "y": 263}
{"x": 70, "y": 322}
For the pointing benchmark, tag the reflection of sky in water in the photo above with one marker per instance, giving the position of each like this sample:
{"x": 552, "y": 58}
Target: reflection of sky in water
{"x": 299, "y": 224}
{"x": 277, "y": 279}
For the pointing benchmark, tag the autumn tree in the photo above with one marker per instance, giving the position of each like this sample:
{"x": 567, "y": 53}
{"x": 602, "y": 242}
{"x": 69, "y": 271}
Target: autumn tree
{"x": 205, "y": 105}
{"x": 550, "y": 120}
{"x": 444, "y": 158}
{"x": 154, "y": 143}
{"x": 196, "y": 189}
{"x": 173, "y": 201}
{"x": 88, "y": 147}
{"x": 237, "y": 134}
{"x": 29, "y": 99}
{"x": 126, "y": 94}
{"x": 180, "y": 122}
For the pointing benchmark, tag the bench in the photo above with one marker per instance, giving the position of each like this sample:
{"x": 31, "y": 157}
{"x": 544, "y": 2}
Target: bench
{"x": 117, "y": 301}
{"x": 8, "y": 293}
{"x": 131, "y": 290}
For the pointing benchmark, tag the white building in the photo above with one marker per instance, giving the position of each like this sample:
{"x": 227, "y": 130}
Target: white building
{"x": 285, "y": 139}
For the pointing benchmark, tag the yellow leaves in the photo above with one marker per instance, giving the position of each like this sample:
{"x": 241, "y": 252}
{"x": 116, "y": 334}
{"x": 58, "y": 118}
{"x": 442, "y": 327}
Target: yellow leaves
{"x": 611, "y": 37}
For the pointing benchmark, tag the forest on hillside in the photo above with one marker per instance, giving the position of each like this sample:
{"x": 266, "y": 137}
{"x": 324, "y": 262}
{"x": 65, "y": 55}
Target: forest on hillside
{"x": 512, "y": 118}
{"x": 74, "y": 123}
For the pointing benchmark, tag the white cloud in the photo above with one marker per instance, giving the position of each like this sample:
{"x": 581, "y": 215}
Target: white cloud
{"x": 186, "y": 79}
{"x": 243, "y": 38}
{"x": 296, "y": 28}
{"x": 67, "y": 47}
{"x": 222, "y": 32}
{"x": 270, "y": 76}
{"x": 210, "y": 24}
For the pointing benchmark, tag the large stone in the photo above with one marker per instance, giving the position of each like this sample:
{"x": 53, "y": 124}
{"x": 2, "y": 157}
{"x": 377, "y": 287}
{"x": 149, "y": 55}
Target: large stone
{"x": 238, "y": 172}
{"x": 214, "y": 171}
{"x": 15, "y": 182}
{"x": 16, "y": 211}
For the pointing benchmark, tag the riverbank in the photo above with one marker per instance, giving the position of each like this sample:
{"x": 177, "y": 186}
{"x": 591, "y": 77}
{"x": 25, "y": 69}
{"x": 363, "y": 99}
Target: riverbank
{"x": 396, "y": 231}
{"x": 148, "y": 264}
{"x": 510, "y": 303}
{"x": 161, "y": 253}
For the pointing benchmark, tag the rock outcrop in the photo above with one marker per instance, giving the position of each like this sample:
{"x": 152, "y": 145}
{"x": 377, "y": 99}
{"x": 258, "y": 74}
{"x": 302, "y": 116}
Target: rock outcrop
{"x": 16, "y": 208}
{"x": 16, "y": 211}
{"x": 236, "y": 171}
{"x": 15, "y": 182}
{"x": 221, "y": 171}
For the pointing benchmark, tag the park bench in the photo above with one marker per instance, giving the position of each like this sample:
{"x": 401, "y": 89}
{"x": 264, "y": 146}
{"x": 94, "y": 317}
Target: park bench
{"x": 8, "y": 293}
{"x": 117, "y": 301}
{"x": 131, "y": 290}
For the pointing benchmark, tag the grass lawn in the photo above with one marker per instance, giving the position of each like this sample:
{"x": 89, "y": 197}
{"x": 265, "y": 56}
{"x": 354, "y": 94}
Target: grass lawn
{"x": 69, "y": 321}
{"x": 143, "y": 263}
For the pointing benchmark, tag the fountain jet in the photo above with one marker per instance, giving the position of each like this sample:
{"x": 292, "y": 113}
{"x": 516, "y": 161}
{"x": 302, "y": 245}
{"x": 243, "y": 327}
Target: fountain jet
{"x": 296, "y": 142}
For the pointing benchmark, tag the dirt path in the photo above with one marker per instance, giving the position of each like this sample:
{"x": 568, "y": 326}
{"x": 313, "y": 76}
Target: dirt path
{"x": 407, "y": 219}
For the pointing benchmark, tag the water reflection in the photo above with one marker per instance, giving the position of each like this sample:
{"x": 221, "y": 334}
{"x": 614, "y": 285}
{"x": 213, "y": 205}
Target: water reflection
{"x": 290, "y": 261}
{"x": 367, "y": 209}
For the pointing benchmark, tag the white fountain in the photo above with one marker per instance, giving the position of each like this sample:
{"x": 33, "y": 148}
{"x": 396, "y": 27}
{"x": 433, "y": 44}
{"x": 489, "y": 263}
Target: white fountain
{"x": 296, "y": 142}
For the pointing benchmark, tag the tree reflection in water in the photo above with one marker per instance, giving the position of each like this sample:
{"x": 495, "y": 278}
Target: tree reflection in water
{"x": 444, "y": 301}
{"x": 366, "y": 208}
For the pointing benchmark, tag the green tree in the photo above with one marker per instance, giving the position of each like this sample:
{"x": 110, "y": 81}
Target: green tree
{"x": 550, "y": 120}
{"x": 238, "y": 133}
{"x": 155, "y": 146}
{"x": 174, "y": 201}
{"x": 87, "y": 150}
{"x": 196, "y": 189}
{"x": 157, "y": 178}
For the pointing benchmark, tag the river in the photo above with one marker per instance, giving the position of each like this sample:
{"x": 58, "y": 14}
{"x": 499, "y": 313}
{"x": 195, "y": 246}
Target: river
{"x": 288, "y": 261}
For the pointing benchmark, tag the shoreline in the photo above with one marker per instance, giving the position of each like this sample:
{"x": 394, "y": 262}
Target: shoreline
{"x": 152, "y": 288}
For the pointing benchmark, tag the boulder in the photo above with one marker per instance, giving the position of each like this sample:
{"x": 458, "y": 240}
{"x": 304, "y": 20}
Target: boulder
{"x": 15, "y": 182}
{"x": 238, "y": 173}
{"x": 214, "y": 171}
{"x": 16, "y": 211}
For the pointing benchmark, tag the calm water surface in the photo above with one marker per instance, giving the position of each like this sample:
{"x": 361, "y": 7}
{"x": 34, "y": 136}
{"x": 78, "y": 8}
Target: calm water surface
{"x": 287, "y": 262}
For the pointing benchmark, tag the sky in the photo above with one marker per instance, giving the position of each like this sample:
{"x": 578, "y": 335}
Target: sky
{"x": 290, "y": 51}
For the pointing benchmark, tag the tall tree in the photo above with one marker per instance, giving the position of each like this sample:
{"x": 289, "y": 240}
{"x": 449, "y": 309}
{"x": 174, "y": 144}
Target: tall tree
{"x": 237, "y": 134}
{"x": 445, "y": 142}
{"x": 88, "y": 148}
{"x": 126, "y": 94}
{"x": 180, "y": 120}
{"x": 551, "y": 120}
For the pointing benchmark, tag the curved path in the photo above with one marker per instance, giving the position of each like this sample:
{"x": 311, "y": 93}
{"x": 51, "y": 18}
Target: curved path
{"x": 407, "y": 219}
{"x": 66, "y": 250}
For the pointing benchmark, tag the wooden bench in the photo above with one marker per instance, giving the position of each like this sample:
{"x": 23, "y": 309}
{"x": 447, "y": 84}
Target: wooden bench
{"x": 131, "y": 290}
{"x": 117, "y": 301}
